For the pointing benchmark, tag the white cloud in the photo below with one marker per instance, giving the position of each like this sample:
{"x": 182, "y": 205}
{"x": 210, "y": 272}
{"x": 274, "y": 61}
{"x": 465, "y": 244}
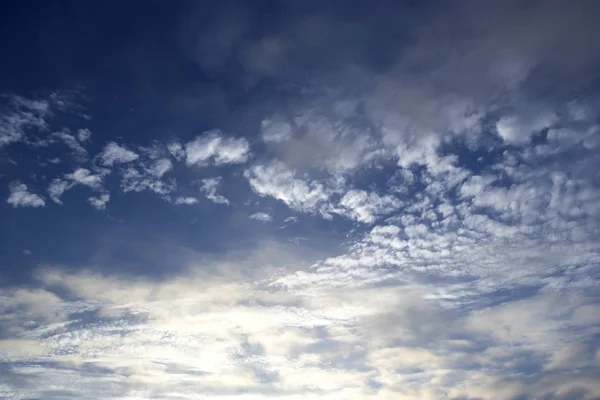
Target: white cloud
{"x": 80, "y": 176}
{"x": 276, "y": 180}
{"x": 57, "y": 188}
{"x": 334, "y": 340}
{"x": 85, "y": 177}
{"x": 186, "y": 200}
{"x": 214, "y": 147}
{"x": 99, "y": 202}
{"x": 261, "y": 216}
{"x": 72, "y": 143}
{"x": 20, "y": 196}
{"x": 210, "y": 187}
{"x": 21, "y": 116}
{"x": 116, "y": 154}
{"x": 160, "y": 167}
{"x": 365, "y": 206}
{"x": 481, "y": 282}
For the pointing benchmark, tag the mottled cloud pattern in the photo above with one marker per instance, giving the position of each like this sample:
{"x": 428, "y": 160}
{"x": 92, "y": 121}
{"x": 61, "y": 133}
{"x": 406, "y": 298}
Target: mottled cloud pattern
{"x": 374, "y": 200}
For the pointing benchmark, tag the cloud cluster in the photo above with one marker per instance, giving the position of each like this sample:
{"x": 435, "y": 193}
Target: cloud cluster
{"x": 80, "y": 176}
{"x": 21, "y": 115}
{"x": 459, "y": 164}
{"x": 142, "y": 169}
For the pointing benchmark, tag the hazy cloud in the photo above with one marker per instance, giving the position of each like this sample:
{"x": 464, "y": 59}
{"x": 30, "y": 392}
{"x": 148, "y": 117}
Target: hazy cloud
{"x": 261, "y": 216}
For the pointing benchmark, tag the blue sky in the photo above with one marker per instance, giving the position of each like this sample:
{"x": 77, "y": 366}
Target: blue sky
{"x": 299, "y": 200}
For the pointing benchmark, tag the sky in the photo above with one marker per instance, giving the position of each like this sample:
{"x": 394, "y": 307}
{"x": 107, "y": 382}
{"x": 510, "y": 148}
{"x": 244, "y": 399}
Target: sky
{"x": 289, "y": 200}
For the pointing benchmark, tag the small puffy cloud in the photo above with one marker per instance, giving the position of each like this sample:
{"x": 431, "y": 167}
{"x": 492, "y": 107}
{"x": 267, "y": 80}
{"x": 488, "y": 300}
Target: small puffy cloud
{"x": 84, "y": 134}
{"x": 214, "y": 147}
{"x": 261, "y": 216}
{"x": 210, "y": 187}
{"x": 116, "y": 154}
{"x": 20, "y": 197}
{"x": 85, "y": 177}
{"x": 188, "y": 201}
{"x": 275, "y": 129}
{"x": 99, "y": 202}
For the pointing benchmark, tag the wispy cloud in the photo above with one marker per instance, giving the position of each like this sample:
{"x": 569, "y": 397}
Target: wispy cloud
{"x": 56, "y": 189}
{"x": 186, "y": 200}
{"x": 138, "y": 180}
{"x": 73, "y": 143}
{"x": 21, "y": 115}
{"x": 99, "y": 202}
{"x": 210, "y": 187}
